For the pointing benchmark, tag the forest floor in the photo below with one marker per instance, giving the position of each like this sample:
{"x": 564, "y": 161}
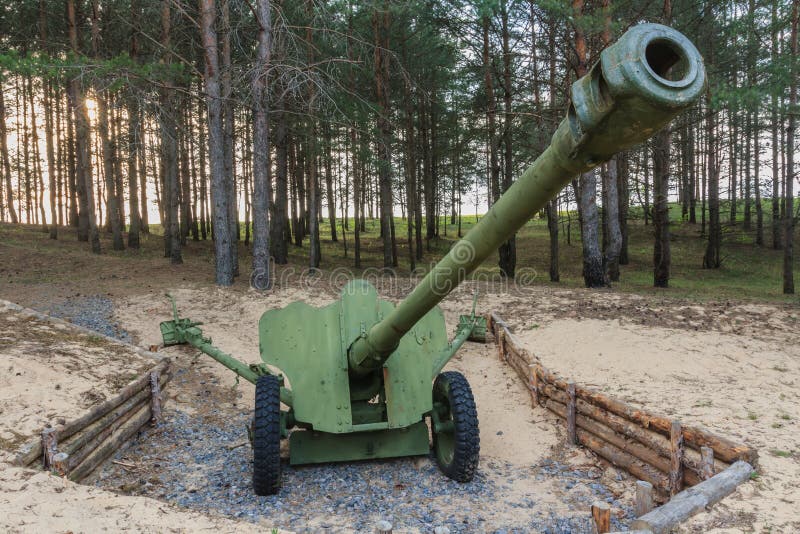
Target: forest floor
{"x": 729, "y": 363}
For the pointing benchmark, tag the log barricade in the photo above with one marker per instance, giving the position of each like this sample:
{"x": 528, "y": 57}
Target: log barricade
{"x": 657, "y": 449}
{"x": 76, "y": 448}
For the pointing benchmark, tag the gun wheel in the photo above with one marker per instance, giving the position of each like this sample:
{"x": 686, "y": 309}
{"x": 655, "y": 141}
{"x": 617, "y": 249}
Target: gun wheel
{"x": 267, "y": 436}
{"x": 456, "y": 440}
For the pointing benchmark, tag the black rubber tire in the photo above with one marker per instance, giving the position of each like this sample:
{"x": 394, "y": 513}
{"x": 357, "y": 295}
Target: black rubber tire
{"x": 267, "y": 436}
{"x": 457, "y": 452}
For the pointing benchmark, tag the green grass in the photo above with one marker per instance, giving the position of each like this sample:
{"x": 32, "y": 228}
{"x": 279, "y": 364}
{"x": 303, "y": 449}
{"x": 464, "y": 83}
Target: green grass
{"x": 748, "y": 272}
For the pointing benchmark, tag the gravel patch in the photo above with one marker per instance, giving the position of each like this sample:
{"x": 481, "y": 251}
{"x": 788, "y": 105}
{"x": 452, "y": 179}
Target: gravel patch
{"x": 94, "y": 312}
{"x": 189, "y": 461}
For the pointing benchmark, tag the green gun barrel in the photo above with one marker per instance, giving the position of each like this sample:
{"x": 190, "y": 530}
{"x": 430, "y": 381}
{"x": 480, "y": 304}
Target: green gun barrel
{"x": 649, "y": 76}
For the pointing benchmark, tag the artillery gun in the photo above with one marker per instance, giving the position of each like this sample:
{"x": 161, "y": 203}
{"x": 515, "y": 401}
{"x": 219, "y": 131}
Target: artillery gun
{"x": 357, "y": 374}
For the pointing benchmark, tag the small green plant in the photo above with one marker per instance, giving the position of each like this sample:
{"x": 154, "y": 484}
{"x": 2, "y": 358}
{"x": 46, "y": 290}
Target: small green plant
{"x": 786, "y": 417}
{"x": 779, "y": 368}
{"x": 533, "y": 326}
{"x": 752, "y": 416}
{"x": 780, "y": 454}
{"x": 777, "y": 425}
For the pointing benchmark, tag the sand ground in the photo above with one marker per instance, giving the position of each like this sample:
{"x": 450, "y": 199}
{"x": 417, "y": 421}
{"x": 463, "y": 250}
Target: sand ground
{"x": 732, "y": 367}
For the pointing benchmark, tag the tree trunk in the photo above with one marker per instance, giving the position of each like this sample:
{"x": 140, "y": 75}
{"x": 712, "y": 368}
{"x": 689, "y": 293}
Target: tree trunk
{"x": 381, "y": 24}
{"x": 330, "y": 195}
{"x": 661, "y": 153}
{"x": 757, "y": 179}
{"x": 169, "y": 148}
{"x": 410, "y": 165}
{"x": 776, "y": 172}
{"x": 427, "y": 177}
{"x": 313, "y": 193}
{"x": 184, "y": 173}
{"x": 711, "y": 259}
{"x": 612, "y": 242}
{"x": 134, "y": 144}
{"x": 219, "y": 189}
{"x": 87, "y": 224}
{"x": 623, "y": 192}
{"x": 593, "y": 272}
{"x": 12, "y": 213}
{"x": 613, "y": 245}
{"x": 508, "y": 250}
{"x": 260, "y": 278}
{"x": 142, "y": 148}
{"x": 278, "y": 237}
{"x": 229, "y": 140}
{"x": 312, "y": 155}
{"x": 788, "y": 235}
{"x": 108, "y": 144}
{"x": 134, "y": 141}
{"x": 692, "y": 166}
{"x": 49, "y": 146}
{"x": 109, "y": 155}
{"x": 488, "y": 77}
{"x": 661, "y": 250}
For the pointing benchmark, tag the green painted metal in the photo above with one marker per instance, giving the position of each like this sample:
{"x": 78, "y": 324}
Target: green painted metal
{"x": 309, "y": 345}
{"x": 625, "y": 98}
{"x": 359, "y": 371}
{"x": 180, "y": 331}
{"x": 308, "y": 447}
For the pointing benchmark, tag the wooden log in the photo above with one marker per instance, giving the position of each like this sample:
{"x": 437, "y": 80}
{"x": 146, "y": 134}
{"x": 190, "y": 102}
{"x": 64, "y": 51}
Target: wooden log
{"x": 499, "y": 325}
{"x": 49, "y": 446}
{"x": 518, "y": 364}
{"x": 497, "y": 321}
{"x": 59, "y": 465}
{"x": 615, "y": 455}
{"x": 80, "y": 454}
{"x": 533, "y": 384}
{"x": 155, "y": 398}
{"x": 676, "y": 458}
{"x": 34, "y": 450}
{"x": 601, "y": 516}
{"x": 628, "y": 445}
{"x": 95, "y": 432}
{"x": 644, "y": 498}
{"x": 606, "y": 434}
{"x": 694, "y": 500}
{"x": 572, "y": 435}
{"x": 648, "y": 438}
{"x": 111, "y": 444}
{"x": 124, "y": 394}
{"x": 724, "y": 449}
{"x": 625, "y": 460}
{"x": 501, "y": 349}
{"x": 707, "y": 463}
{"x": 520, "y": 354}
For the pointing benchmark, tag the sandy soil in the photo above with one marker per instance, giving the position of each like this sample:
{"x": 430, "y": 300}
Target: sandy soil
{"x": 32, "y": 501}
{"x": 732, "y": 367}
{"x": 52, "y": 372}
{"x": 738, "y": 386}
